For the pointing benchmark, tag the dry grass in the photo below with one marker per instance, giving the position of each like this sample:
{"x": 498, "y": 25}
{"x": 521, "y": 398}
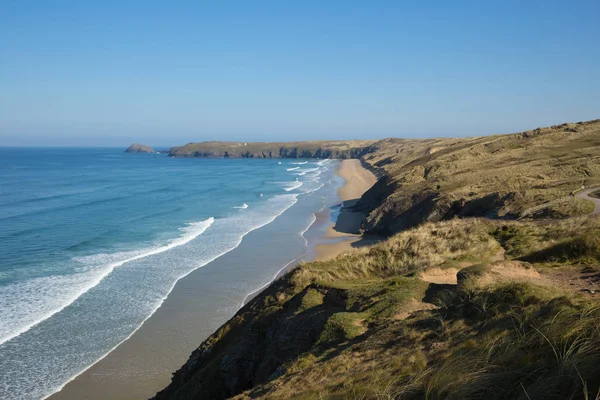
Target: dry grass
{"x": 407, "y": 252}
{"x": 331, "y": 330}
{"x": 493, "y": 176}
{"x": 483, "y": 344}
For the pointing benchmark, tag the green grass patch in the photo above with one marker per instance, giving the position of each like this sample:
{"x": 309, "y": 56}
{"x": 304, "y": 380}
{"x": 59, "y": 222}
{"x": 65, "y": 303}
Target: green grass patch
{"x": 584, "y": 248}
{"x": 341, "y": 327}
{"x": 311, "y": 298}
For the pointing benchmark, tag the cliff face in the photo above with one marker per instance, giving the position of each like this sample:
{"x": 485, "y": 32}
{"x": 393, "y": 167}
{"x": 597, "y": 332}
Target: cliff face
{"x": 315, "y": 149}
{"x": 139, "y": 148}
{"x": 496, "y": 177}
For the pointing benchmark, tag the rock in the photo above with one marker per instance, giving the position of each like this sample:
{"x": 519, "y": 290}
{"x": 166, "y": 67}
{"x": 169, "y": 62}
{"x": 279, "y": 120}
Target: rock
{"x": 139, "y": 148}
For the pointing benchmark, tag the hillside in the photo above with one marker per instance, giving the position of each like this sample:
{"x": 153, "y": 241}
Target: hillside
{"x": 483, "y": 306}
{"x": 314, "y": 149}
{"x": 499, "y": 176}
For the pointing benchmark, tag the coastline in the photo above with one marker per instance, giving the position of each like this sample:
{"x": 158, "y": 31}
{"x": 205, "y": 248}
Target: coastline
{"x": 141, "y": 357}
{"x": 344, "y": 234}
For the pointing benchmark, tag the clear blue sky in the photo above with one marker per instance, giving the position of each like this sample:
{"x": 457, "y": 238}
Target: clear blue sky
{"x": 169, "y": 72}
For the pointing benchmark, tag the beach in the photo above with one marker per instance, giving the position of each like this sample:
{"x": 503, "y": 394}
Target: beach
{"x": 143, "y": 364}
{"x": 344, "y": 233}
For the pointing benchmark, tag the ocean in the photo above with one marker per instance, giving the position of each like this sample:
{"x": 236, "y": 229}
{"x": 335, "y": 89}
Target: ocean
{"x": 93, "y": 240}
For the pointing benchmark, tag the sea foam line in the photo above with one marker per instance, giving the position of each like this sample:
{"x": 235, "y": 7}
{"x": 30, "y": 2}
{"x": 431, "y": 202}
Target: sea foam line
{"x": 292, "y": 169}
{"x": 239, "y": 241}
{"x": 192, "y": 231}
{"x": 293, "y": 185}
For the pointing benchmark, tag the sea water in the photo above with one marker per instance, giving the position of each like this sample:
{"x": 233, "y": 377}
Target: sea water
{"x": 92, "y": 241}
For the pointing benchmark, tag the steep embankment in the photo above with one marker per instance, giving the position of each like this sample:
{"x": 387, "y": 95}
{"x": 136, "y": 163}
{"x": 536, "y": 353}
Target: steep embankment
{"x": 494, "y": 176}
{"x": 370, "y": 324}
{"x": 467, "y": 308}
{"x": 315, "y": 149}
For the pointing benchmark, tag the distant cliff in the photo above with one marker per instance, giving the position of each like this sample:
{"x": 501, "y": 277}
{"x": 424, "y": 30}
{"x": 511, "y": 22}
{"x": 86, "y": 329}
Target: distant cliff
{"x": 314, "y": 149}
{"x": 139, "y": 148}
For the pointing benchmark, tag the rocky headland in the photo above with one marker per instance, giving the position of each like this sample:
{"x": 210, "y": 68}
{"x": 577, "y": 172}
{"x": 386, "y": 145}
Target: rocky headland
{"x": 315, "y": 149}
{"x": 139, "y": 148}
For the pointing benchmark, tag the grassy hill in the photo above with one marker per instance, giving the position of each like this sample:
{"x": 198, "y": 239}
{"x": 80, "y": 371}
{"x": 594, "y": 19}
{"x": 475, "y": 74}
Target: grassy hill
{"x": 450, "y": 305}
{"x": 497, "y": 176}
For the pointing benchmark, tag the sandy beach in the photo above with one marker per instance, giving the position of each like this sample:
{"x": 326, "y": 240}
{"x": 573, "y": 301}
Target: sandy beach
{"x": 345, "y": 232}
{"x": 143, "y": 364}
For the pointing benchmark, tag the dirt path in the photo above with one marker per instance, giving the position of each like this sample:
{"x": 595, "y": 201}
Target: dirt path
{"x": 586, "y": 195}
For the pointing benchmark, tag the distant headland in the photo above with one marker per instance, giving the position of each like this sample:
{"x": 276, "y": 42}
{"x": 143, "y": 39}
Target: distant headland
{"x": 311, "y": 149}
{"x": 139, "y": 148}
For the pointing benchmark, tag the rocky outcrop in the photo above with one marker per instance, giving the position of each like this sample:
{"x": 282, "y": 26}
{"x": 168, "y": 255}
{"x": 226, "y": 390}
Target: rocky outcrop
{"x": 139, "y": 148}
{"x": 315, "y": 149}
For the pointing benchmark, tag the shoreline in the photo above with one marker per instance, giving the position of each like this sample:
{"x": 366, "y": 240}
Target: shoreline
{"x": 357, "y": 180}
{"x": 332, "y": 239}
{"x": 344, "y": 233}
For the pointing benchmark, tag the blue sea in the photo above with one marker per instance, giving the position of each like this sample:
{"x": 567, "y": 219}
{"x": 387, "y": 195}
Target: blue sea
{"x": 93, "y": 240}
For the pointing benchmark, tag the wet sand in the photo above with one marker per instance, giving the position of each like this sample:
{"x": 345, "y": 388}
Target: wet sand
{"x": 344, "y": 234}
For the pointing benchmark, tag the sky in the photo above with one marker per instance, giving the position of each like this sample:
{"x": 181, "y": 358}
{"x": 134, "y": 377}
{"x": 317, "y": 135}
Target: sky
{"x": 108, "y": 73}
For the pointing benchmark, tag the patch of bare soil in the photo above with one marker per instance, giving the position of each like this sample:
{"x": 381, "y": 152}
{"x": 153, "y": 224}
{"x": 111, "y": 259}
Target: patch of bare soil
{"x": 439, "y": 275}
{"x": 586, "y": 281}
{"x": 413, "y": 306}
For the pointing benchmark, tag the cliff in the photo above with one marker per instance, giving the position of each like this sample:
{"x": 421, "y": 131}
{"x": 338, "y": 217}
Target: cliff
{"x": 139, "y": 148}
{"x": 462, "y": 301}
{"x": 315, "y": 149}
{"x": 499, "y": 177}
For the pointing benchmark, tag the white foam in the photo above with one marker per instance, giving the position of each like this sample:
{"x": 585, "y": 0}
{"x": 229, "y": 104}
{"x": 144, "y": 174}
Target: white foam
{"x": 292, "y": 169}
{"x": 293, "y": 185}
{"x": 280, "y": 202}
{"x": 25, "y": 304}
{"x": 303, "y": 172}
{"x": 300, "y": 163}
{"x": 315, "y": 189}
{"x": 242, "y": 207}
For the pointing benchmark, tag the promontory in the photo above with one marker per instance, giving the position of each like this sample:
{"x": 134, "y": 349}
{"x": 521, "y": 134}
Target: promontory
{"x": 139, "y": 148}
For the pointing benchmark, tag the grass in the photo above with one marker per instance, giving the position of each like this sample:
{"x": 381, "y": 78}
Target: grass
{"x": 312, "y": 298}
{"x": 341, "y": 327}
{"x": 332, "y": 329}
{"x": 496, "y": 176}
{"x": 495, "y": 343}
{"x": 570, "y": 240}
{"x": 406, "y": 253}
